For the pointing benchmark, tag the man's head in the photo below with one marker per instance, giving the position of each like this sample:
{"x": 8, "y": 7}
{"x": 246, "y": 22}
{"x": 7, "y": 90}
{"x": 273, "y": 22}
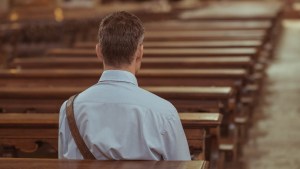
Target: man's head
{"x": 120, "y": 45}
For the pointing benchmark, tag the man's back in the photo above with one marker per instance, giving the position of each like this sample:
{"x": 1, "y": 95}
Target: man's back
{"x": 118, "y": 120}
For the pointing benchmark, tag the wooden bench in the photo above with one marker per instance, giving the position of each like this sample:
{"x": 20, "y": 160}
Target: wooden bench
{"x": 187, "y": 44}
{"x": 171, "y": 35}
{"x": 244, "y": 62}
{"x": 151, "y": 77}
{"x": 165, "y": 52}
{"x": 234, "y": 11}
{"x": 239, "y": 11}
{"x": 27, "y": 131}
{"x": 209, "y": 25}
{"x": 16, "y": 163}
{"x": 49, "y": 99}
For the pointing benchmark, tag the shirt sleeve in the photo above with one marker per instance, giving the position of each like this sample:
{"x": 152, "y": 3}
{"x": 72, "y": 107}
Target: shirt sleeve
{"x": 174, "y": 139}
{"x": 62, "y": 141}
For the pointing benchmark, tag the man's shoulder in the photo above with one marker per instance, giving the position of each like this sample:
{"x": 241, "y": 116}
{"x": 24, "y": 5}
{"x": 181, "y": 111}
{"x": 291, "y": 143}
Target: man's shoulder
{"x": 132, "y": 96}
{"x": 156, "y": 101}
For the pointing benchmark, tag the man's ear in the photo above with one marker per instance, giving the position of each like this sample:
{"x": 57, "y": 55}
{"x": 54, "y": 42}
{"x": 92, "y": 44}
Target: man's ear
{"x": 139, "y": 57}
{"x": 140, "y": 52}
{"x": 98, "y": 52}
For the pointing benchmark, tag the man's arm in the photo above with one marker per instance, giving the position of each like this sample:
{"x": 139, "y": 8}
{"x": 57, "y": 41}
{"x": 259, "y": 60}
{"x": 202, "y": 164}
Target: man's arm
{"x": 175, "y": 142}
{"x": 61, "y": 131}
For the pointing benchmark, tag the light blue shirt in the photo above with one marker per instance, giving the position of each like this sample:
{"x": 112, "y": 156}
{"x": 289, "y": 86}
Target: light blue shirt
{"x": 121, "y": 121}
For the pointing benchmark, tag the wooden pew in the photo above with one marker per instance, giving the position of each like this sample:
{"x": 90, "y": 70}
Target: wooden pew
{"x": 164, "y": 52}
{"x": 244, "y": 29}
{"x": 27, "y": 131}
{"x": 175, "y": 35}
{"x": 209, "y": 25}
{"x": 151, "y": 77}
{"x": 239, "y": 11}
{"x": 16, "y": 163}
{"x": 49, "y": 99}
{"x": 232, "y": 11}
{"x": 187, "y": 44}
{"x": 244, "y": 62}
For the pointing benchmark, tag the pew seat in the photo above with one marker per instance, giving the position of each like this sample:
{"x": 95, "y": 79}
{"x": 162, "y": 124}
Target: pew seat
{"x": 163, "y": 52}
{"x": 244, "y": 62}
{"x": 209, "y": 25}
{"x": 175, "y": 35}
{"x": 151, "y": 77}
{"x": 13, "y": 99}
{"x": 187, "y": 44}
{"x": 16, "y": 163}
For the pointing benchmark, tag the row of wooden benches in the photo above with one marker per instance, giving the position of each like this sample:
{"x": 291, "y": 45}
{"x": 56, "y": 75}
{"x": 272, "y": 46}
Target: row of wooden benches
{"x": 210, "y": 96}
{"x": 184, "y": 97}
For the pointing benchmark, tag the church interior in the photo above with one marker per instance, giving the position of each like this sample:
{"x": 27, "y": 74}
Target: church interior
{"x": 228, "y": 66}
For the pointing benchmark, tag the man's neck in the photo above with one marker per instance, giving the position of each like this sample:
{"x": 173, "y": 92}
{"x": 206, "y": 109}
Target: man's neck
{"x": 129, "y": 68}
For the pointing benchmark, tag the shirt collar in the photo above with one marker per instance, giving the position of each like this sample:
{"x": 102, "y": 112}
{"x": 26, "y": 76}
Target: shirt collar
{"x": 118, "y": 76}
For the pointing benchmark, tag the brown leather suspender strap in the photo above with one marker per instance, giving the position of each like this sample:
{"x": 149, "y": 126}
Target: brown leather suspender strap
{"x": 84, "y": 150}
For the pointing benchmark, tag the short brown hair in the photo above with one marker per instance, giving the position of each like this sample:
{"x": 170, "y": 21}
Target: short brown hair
{"x": 120, "y": 33}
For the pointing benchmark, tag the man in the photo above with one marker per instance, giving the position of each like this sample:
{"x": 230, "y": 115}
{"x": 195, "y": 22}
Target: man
{"x": 117, "y": 119}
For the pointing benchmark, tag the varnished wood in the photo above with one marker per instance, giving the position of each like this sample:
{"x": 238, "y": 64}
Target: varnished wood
{"x": 163, "y": 52}
{"x": 153, "y": 77}
{"x": 51, "y": 119}
{"x": 172, "y": 35}
{"x": 162, "y": 62}
{"x": 49, "y": 99}
{"x": 232, "y": 10}
{"x": 202, "y": 44}
{"x": 207, "y": 119}
{"x": 16, "y": 163}
{"x": 200, "y": 52}
{"x": 208, "y": 25}
{"x": 36, "y": 73}
{"x": 167, "y": 91}
{"x": 187, "y": 44}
